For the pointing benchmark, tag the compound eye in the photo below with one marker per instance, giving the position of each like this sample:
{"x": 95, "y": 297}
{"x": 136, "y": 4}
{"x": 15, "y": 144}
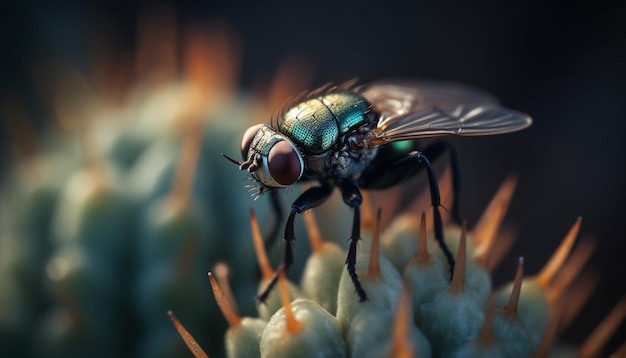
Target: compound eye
{"x": 284, "y": 163}
{"x": 246, "y": 141}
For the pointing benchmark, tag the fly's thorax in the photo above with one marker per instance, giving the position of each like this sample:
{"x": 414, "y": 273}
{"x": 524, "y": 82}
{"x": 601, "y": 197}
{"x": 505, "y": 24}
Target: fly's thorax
{"x": 350, "y": 163}
{"x": 311, "y": 125}
{"x": 344, "y": 163}
{"x": 316, "y": 125}
{"x": 350, "y": 109}
{"x": 273, "y": 159}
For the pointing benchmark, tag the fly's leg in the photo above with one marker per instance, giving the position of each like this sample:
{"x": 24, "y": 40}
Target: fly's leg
{"x": 385, "y": 174}
{"x": 307, "y": 200}
{"x": 433, "y": 151}
{"x": 435, "y": 200}
{"x": 352, "y": 197}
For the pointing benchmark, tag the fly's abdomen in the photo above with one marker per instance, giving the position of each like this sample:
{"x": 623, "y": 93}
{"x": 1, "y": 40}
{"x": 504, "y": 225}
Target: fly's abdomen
{"x": 316, "y": 125}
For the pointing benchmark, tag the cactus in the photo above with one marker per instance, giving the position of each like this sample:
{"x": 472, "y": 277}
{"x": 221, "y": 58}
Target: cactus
{"x": 439, "y": 318}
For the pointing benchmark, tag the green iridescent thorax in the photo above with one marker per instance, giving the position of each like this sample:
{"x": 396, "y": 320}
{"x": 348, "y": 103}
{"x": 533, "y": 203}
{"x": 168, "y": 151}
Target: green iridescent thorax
{"x": 315, "y": 125}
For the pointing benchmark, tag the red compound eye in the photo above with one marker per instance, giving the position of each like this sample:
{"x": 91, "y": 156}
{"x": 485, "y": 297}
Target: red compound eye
{"x": 284, "y": 163}
{"x": 246, "y": 141}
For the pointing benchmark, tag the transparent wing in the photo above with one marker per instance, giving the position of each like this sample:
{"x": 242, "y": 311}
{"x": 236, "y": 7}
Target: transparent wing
{"x": 411, "y": 110}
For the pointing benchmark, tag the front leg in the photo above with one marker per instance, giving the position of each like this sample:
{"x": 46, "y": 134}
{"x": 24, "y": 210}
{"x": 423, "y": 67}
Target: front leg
{"x": 311, "y": 198}
{"x": 352, "y": 197}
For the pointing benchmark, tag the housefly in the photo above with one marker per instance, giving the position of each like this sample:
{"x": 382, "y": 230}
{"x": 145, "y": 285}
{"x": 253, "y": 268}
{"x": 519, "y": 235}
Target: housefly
{"x": 342, "y": 137}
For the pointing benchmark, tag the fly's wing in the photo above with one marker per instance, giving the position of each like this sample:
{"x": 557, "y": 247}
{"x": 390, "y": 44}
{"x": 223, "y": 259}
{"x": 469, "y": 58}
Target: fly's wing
{"x": 411, "y": 110}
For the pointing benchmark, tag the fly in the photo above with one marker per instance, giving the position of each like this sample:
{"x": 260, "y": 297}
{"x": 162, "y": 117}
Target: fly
{"x": 341, "y": 137}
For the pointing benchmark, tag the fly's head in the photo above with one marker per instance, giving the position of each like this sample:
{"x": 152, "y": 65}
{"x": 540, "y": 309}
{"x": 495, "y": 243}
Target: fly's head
{"x": 270, "y": 157}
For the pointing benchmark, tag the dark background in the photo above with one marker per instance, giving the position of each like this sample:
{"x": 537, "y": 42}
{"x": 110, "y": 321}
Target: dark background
{"x": 564, "y": 64}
